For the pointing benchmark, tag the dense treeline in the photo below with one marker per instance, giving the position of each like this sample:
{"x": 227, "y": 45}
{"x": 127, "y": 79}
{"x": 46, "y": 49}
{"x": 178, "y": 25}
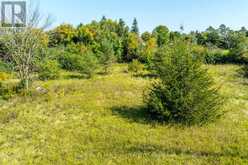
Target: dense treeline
{"x": 108, "y": 41}
{"x": 221, "y": 45}
{"x": 123, "y": 42}
{"x": 228, "y": 46}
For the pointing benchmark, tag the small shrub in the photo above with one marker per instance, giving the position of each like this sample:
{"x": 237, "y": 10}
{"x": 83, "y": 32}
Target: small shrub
{"x": 88, "y": 64}
{"x": 107, "y": 55}
{"x": 135, "y": 67}
{"x": 238, "y": 56}
{"x": 200, "y": 51}
{"x": 217, "y": 56}
{"x": 7, "y": 90}
{"x": 48, "y": 70}
{"x": 5, "y": 70}
{"x": 69, "y": 61}
{"x": 76, "y": 48}
{"x": 4, "y": 67}
{"x": 244, "y": 70}
{"x": 184, "y": 93}
{"x": 54, "y": 53}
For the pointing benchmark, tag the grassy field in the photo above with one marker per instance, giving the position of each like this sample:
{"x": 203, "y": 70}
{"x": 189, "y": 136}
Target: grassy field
{"x": 101, "y": 121}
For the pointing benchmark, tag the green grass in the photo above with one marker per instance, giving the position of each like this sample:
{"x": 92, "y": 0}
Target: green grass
{"x": 101, "y": 121}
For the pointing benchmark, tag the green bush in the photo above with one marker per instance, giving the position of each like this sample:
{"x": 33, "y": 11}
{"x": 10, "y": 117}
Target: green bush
{"x": 69, "y": 61}
{"x": 7, "y": 90}
{"x": 135, "y": 67}
{"x": 107, "y": 55}
{"x": 5, "y": 70}
{"x": 4, "y": 67}
{"x": 184, "y": 92}
{"x": 54, "y": 53}
{"x": 200, "y": 51}
{"x": 244, "y": 70}
{"x": 88, "y": 64}
{"x": 217, "y": 56}
{"x": 10, "y": 89}
{"x": 76, "y": 48}
{"x": 239, "y": 56}
{"x": 49, "y": 70}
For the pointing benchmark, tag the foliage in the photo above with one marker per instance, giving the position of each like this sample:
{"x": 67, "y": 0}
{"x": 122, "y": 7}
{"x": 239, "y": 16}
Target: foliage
{"x": 122, "y": 29}
{"x": 4, "y": 67}
{"x": 76, "y": 48}
{"x": 128, "y": 45}
{"x": 135, "y": 28}
{"x": 184, "y": 93}
{"x": 85, "y": 63}
{"x": 148, "y": 50}
{"x": 212, "y": 36}
{"x": 217, "y": 56}
{"x": 161, "y": 33}
{"x": 93, "y": 35}
{"x": 88, "y": 65}
{"x": 63, "y": 34}
{"x": 69, "y": 61}
{"x": 24, "y": 47}
{"x": 85, "y": 35}
{"x": 239, "y": 50}
{"x": 7, "y": 90}
{"x": 213, "y": 55}
{"x": 146, "y": 36}
{"x": 107, "y": 56}
{"x": 227, "y": 47}
{"x": 199, "y": 50}
{"x": 48, "y": 70}
{"x": 4, "y": 54}
{"x": 132, "y": 47}
{"x": 135, "y": 66}
{"x": 244, "y": 70}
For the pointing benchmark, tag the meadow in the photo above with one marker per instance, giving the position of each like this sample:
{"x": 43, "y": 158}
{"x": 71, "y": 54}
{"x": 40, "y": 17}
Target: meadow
{"x": 102, "y": 121}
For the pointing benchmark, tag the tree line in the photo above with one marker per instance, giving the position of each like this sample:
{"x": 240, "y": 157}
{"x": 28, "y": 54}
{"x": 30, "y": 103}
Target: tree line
{"x": 221, "y": 45}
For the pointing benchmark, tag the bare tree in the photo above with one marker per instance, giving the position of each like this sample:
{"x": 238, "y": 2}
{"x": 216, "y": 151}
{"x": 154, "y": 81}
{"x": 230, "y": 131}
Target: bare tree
{"x": 25, "y": 44}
